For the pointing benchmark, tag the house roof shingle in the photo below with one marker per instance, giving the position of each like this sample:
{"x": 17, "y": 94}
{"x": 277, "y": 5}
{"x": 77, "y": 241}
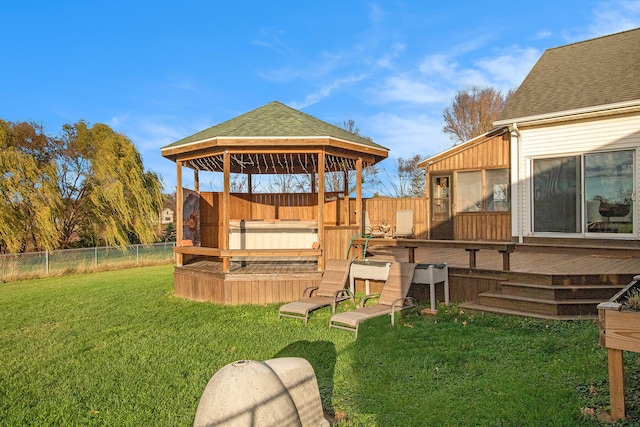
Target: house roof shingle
{"x": 592, "y": 73}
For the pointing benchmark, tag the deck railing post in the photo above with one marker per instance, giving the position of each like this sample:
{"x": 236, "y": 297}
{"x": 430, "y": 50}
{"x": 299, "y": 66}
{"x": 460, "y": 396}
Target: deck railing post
{"x": 616, "y": 383}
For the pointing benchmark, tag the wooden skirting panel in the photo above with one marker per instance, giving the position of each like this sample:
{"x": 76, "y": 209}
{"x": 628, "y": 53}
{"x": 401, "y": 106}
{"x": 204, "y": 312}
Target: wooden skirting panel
{"x": 466, "y": 286}
{"x": 201, "y": 286}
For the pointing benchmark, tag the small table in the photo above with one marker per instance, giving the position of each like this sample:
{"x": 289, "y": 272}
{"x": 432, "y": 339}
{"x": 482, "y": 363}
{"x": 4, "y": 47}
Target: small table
{"x": 368, "y": 270}
{"x": 430, "y": 274}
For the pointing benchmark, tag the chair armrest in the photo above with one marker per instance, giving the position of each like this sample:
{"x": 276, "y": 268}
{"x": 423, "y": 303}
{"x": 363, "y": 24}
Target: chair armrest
{"x": 367, "y": 298}
{"x": 309, "y": 290}
{"x": 412, "y": 302}
{"x": 401, "y": 303}
{"x": 342, "y": 295}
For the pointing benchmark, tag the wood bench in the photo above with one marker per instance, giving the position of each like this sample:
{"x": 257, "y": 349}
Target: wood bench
{"x": 505, "y": 248}
{"x": 227, "y": 254}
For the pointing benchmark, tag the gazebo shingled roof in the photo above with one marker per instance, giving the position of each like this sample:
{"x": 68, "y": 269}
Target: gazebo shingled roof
{"x": 274, "y": 128}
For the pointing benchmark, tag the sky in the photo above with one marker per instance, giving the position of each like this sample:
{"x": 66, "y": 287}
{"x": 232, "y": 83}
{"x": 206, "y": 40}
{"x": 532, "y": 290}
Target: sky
{"x": 161, "y": 71}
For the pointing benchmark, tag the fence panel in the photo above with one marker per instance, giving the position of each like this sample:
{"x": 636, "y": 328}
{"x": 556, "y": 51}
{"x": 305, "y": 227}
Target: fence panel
{"x": 41, "y": 264}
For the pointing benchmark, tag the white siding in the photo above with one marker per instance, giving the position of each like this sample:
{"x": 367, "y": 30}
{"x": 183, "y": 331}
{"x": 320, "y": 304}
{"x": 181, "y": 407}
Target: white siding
{"x": 595, "y": 135}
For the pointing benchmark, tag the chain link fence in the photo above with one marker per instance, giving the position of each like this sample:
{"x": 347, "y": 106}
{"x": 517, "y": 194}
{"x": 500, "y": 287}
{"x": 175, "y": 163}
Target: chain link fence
{"x": 65, "y": 261}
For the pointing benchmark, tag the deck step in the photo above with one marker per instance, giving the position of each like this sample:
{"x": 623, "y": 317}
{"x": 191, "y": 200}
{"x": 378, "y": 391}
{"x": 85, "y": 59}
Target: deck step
{"x": 475, "y": 307}
{"x": 560, "y": 292}
{"x": 543, "y": 306}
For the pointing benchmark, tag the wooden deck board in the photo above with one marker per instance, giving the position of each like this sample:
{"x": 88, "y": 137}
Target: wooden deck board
{"x": 524, "y": 262}
{"x": 521, "y": 261}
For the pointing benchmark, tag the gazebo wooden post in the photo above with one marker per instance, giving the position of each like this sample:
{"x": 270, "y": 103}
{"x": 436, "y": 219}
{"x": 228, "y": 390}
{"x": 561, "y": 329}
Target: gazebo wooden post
{"x": 179, "y": 203}
{"x": 427, "y": 201}
{"x": 345, "y": 197}
{"x": 249, "y": 184}
{"x": 359, "y": 193}
{"x": 321, "y": 209}
{"x": 196, "y": 181}
{"x": 226, "y": 199}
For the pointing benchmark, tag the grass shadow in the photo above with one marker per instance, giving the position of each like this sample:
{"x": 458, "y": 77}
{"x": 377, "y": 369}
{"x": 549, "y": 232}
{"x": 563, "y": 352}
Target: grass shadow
{"x": 322, "y": 357}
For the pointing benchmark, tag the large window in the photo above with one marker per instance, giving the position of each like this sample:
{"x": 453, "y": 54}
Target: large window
{"x": 469, "y": 192}
{"x": 497, "y": 189}
{"x": 483, "y": 191}
{"x": 555, "y": 195}
{"x": 605, "y": 179}
{"x": 608, "y": 189}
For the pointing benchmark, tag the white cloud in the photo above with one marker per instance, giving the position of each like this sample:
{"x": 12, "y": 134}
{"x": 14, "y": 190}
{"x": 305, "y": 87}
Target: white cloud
{"x": 437, "y": 64}
{"x": 326, "y": 91}
{"x": 444, "y": 71}
{"x": 376, "y": 13}
{"x": 387, "y": 58}
{"x": 271, "y": 39}
{"x": 407, "y": 89}
{"x": 615, "y": 16}
{"x": 543, "y": 34}
{"x": 508, "y": 70}
{"x": 407, "y": 135}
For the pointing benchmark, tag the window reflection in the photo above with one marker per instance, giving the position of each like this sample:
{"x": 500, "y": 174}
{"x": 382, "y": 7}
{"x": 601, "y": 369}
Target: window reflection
{"x": 608, "y": 190}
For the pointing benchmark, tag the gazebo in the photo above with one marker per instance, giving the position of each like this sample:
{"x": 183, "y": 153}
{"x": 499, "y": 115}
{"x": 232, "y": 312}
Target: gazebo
{"x": 246, "y": 247}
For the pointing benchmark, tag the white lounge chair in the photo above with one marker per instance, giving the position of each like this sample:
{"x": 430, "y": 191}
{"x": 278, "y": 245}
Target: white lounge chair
{"x": 392, "y": 299}
{"x": 331, "y": 291}
{"x": 404, "y": 224}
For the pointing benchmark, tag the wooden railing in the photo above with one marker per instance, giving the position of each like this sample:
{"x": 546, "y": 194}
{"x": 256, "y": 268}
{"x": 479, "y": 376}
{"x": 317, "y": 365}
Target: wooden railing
{"x": 505, "y": 248}
{"x": 227, "y": 254}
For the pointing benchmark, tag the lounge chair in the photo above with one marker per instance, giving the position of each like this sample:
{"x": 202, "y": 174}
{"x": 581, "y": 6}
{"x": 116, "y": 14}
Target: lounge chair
{"x": 331, "y": 291}
{"x": 392, "y": 299}
{"x": 404, "y": 224}
{"x": 367, "y": 229}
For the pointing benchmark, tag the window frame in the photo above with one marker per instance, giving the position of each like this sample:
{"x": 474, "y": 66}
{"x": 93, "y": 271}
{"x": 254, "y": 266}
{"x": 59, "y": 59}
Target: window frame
{"x": 484, "y": 200}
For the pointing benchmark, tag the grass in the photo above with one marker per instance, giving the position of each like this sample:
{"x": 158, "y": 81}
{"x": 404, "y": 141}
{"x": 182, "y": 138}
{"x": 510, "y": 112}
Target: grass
{"x": 116, "y": 348}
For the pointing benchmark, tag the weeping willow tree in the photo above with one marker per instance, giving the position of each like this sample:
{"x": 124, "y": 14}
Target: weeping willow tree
{"x": 89, "y": 184}
{"x": 106, "y": 192}
{"x": 28, "y": 189}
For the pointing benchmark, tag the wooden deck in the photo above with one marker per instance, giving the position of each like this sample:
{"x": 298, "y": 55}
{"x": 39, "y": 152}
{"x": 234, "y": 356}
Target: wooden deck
{"x": 562, "y": 283}
{"x": 587, "y": 275}
{"x": 524, "y": 260}
{"x": 255, "y": 283}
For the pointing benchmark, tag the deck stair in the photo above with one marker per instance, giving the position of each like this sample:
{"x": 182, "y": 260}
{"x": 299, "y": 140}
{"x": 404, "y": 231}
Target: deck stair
{"x": 549, "y": 297}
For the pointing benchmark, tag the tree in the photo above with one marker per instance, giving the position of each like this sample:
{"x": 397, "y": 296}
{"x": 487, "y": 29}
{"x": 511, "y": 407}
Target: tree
{"x": 105, "y": 189}
{"x": 334, "y": 181}
{"x": 288, "y": 183}
{"x": 473, "y": 112}
{"x": 89, "y": 184}
{"x": 28, "y": 186}
{"x": 169, "y": 234}
{"x": 409, "y": 180}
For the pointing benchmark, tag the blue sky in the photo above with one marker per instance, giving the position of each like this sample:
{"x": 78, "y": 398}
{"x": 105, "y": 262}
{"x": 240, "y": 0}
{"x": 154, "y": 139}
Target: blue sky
{"x": 163, "y": 70}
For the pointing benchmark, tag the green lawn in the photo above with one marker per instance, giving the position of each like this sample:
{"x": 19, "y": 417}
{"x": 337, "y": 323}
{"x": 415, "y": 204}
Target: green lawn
{"x": 116, "y": 348}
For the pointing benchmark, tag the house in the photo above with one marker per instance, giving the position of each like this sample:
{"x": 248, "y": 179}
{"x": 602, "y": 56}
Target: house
{"x": 568, "y": 137}
{"x": 166, "y": 216}
{"x": 575, "y": 135}
{"x": 468, "y": 189}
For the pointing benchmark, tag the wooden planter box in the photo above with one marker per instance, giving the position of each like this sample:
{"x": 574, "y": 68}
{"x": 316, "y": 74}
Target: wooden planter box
{"x": 619, "y": 331}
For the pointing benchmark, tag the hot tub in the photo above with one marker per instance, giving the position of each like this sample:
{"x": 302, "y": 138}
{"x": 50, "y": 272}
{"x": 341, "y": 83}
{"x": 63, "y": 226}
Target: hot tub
{"x": 272, "y": 234}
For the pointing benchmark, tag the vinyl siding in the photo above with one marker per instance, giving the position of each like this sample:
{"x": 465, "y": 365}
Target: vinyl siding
{"x": 576, "y": 138}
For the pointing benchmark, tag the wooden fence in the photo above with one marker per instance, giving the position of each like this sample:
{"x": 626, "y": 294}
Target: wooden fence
{"x": 339, "y": 214}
